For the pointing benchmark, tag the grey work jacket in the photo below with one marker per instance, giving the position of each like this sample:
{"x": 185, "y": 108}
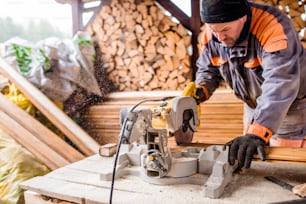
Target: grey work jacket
{"x": 266, "y": 68}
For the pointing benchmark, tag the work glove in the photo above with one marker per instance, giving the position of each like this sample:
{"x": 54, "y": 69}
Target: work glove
{"x": 200, "y": 96}
{"x": 243, "y": 148}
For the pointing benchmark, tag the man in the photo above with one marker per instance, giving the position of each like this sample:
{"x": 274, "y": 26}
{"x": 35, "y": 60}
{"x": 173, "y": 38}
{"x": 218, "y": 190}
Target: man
{"x": 255, "y": 49}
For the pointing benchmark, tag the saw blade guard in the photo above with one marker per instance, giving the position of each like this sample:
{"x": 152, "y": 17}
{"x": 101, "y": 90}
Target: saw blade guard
{"x": 183, "y": 119}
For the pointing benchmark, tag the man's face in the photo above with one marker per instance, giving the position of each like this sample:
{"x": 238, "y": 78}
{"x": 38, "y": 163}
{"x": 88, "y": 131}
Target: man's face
{"x": 227, "y": 33}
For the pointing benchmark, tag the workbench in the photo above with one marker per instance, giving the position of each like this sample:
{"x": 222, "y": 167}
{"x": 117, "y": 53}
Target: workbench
{"x": 80, "y": 183}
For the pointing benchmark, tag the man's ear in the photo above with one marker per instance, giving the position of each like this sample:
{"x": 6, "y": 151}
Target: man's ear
{"x": 243, "y": 19}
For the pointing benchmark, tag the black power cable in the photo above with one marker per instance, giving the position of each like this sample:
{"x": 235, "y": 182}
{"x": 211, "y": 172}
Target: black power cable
{"x": 121, "y": 139}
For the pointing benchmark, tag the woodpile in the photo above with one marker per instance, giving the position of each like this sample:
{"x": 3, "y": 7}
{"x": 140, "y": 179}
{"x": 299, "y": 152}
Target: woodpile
{"x": 142, "y": 48}
{"x": 221, "y": 116}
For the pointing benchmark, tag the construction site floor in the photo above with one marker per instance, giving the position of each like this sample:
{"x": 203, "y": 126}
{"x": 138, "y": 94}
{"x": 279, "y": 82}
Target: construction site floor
{"x": 80, "y": 183}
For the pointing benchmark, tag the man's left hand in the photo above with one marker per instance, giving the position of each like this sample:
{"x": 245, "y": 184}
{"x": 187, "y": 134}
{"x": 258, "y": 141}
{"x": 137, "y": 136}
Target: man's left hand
{"x": 243, "y": 148}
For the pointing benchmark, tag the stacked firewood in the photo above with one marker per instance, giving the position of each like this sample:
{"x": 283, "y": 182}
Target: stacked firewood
{"x": 142, "y": 48}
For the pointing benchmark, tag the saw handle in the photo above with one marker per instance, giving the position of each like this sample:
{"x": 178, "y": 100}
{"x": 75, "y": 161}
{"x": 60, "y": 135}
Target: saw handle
{"x": 197, "y": 93}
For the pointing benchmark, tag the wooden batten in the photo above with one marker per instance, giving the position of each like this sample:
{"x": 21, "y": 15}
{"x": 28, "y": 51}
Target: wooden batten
{"x": 40, "y": 150}
{"x": 37, "y": 131}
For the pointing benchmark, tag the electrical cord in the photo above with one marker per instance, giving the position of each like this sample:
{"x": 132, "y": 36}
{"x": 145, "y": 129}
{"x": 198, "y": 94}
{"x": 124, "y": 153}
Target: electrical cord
{"x": 121, "y": 139}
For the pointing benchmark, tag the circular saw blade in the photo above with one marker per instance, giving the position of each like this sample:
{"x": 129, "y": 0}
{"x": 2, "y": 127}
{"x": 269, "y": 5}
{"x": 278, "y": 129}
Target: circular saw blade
{"x": 183, "y": 136}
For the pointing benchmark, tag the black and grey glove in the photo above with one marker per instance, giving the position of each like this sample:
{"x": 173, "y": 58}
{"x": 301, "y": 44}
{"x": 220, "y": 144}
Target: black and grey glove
{"x": 200, "y": 95}
{"x": 243, "y": 148}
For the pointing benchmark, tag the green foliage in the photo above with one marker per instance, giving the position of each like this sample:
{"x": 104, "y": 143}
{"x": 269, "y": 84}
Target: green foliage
{"x": 45, "y": 61}
{"x": 84, "y": 41}
{"x": 23, "y": 55}
{"x": 33, "y": 31}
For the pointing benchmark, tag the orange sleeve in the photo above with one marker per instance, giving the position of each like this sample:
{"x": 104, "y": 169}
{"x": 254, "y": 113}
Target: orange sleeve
{"x": 260, "y": 131}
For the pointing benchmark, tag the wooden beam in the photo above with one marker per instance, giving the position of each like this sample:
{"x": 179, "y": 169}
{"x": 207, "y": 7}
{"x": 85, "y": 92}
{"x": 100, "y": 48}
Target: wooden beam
{"x": 288, "y": 154}
{"x": 77, "y": 23}
{"x": 273, "y": 154}
{"x": 176, "y": 12}
{"x": 39, "y": 130}
{"x": 195, "y": 24}
{"x": 75, "y": 133}
{"x": 79, "y": 9}
{"x": 39, "y": 149}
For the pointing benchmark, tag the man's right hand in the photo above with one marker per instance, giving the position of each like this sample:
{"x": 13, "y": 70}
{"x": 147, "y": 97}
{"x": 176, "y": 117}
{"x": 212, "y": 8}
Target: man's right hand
{"x": 243, "y": 148}
{"x": 200, "y": 95}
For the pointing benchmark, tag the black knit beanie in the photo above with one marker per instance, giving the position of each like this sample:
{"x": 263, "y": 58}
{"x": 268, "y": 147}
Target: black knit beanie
{"x": 221, "y": 11}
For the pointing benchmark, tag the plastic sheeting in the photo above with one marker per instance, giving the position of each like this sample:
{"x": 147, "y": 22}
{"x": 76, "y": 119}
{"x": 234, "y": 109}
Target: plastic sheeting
{"x": 57, "y": 67}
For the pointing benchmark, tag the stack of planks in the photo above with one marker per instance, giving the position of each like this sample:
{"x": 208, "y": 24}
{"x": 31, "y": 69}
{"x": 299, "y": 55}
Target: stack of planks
{"x": 142, "y": 48}
{"x": 47, "y": 147}
{"x": 221, "y": 116}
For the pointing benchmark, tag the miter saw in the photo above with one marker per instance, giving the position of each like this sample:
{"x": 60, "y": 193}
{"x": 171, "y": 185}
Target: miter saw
{"x": 174, "y": 116}
{"x": 144, "y": 144}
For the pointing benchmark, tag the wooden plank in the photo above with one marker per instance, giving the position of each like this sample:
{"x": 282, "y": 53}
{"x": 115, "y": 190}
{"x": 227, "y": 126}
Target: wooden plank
{"x": 59, "y": 189}
{"x": 108, "y": 150}
{"x": 286, "y": 154}
{"x": 31, "y": 197}
{"x": 39, "y": 149}
{"x": 39, "y": 131}
{"x": 282, "y": 154}
{"x": 74, "y": 132}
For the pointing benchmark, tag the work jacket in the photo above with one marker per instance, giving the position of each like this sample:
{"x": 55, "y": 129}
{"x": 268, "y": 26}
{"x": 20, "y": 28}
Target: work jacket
{"x": 266, "y": 68}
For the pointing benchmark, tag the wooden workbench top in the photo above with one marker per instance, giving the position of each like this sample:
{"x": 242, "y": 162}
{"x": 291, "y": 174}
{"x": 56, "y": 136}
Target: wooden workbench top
{"x": 80, "y": 183}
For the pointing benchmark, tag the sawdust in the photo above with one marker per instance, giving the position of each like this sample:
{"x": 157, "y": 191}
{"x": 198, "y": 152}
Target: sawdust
{"x": 81, "y": 99}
